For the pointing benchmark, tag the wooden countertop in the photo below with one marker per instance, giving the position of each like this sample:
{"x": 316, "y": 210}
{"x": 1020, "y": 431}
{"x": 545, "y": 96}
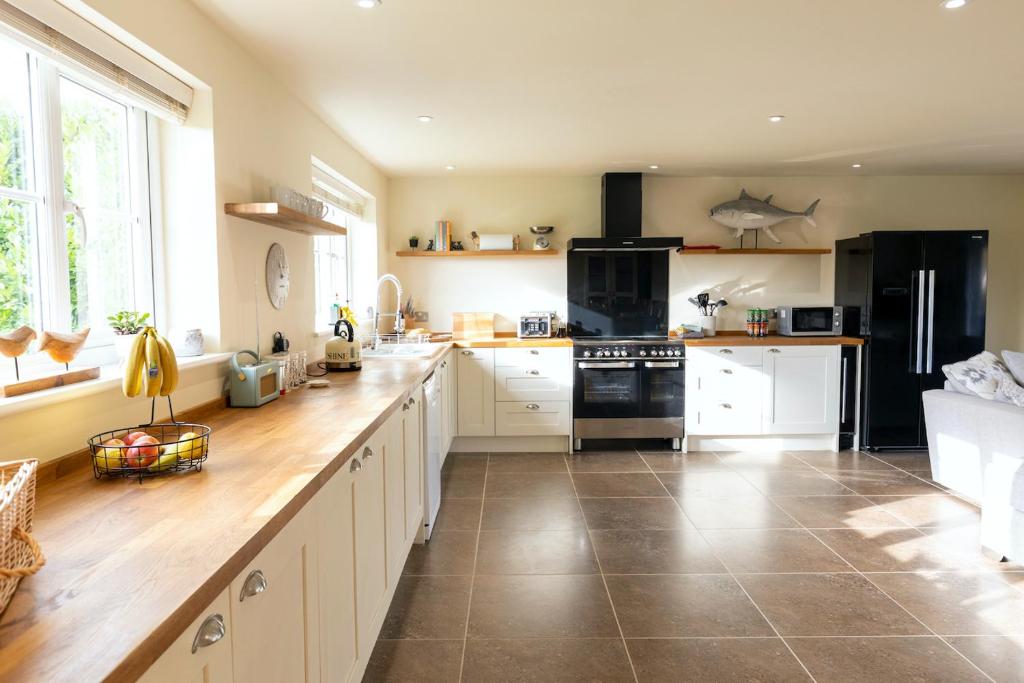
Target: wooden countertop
{"x": 512, "y": 343}
{"x": 741, "y": 339}
{"x": 130, "y": 566}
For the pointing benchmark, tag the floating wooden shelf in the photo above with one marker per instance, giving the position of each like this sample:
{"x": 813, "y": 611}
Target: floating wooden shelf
{"x": 734, "y": 252}
{"x": 272, "y": 213}
{"x": 478, "y": 254}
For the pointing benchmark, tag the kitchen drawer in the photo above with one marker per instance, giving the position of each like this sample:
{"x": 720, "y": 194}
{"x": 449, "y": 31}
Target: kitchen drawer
{"x": 727, "y": 381}
{"x": 740, "y": 355}
{"x": 532, "y": 418}
{"x": 725, "y": 416}
{"x": 549, "y": 360}
{"x": 531, "y": 384}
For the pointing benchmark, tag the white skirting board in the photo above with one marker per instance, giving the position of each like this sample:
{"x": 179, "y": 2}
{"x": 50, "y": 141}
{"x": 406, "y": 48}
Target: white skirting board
{"x": 749, "y": 444}
{"x": 510, "y": 444}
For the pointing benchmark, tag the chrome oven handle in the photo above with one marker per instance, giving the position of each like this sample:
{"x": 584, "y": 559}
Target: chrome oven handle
{"x": 662, "y": 364}
{"x": 613, "y": 365}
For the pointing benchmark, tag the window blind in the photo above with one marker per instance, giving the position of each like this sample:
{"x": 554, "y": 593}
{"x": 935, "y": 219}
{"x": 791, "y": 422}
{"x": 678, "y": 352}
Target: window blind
{"x": 332, "y": 190}
{"x": 53, "y": 29}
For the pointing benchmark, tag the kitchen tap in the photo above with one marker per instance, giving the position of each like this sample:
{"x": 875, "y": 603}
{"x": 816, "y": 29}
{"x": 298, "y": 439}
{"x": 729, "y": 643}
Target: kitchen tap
{"x": 399, "y": 320}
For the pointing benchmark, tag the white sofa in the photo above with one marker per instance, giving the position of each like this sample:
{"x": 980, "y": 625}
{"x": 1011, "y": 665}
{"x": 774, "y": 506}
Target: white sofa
{"x": 976, "y": 447}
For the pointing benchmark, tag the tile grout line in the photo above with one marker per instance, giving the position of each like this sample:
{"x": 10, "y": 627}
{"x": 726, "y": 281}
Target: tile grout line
{"x": 600, "y": 567}
{"x": 472, "y": 578}
{"x": 731, "y": 575}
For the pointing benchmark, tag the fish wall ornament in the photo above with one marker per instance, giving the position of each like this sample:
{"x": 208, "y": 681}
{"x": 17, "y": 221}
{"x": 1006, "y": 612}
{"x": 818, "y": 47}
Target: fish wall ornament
{"x": 750, "y": 213}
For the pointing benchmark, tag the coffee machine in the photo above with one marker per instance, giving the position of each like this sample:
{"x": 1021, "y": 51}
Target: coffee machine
{"x": 342, "y": 350}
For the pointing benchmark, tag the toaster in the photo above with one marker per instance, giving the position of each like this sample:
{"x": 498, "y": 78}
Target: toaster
{"x": 538, "y": 324}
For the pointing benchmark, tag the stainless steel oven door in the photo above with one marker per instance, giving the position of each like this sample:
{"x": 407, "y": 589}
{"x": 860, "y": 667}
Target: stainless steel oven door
{"x": 606, "y": 389}
{"x": 663, "y": 387}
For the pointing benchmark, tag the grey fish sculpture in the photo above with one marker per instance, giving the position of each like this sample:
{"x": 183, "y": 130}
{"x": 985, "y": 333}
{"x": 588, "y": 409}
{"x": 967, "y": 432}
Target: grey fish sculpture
{"x": 749, "y": 213}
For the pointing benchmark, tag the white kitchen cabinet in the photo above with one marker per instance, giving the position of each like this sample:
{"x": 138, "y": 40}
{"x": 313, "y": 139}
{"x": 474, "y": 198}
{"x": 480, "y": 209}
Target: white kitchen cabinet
{"x": 749, "y": 391}
{"x": 801, "y": 390}
{"x": 412, "y": 448}
{"x": 337, "y": 579}
{"x": 202, "y": 654}
{"x": 274, "y": 635}
{"x": 370, "y": 530}
{"x": 476, "y": 392}
{"x": 394, "y": 492}
{"x": 527, "y": 374}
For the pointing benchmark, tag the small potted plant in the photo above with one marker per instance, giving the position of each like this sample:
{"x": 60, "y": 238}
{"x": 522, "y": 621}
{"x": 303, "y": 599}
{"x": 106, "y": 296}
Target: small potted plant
{"x": 126, "y": 326}
{"x": 414, "y": 242}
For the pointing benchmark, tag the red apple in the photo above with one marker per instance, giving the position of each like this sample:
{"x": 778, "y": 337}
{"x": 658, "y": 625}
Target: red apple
{"x": 143, "y": 452}
{"x": 132, "y": 436}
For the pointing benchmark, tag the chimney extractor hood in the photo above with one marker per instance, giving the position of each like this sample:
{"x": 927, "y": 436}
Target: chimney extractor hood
{"x": 621, "y": 210}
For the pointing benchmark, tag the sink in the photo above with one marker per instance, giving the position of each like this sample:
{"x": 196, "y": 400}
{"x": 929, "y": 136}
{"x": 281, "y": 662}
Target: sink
{"x": 401, "y": 351}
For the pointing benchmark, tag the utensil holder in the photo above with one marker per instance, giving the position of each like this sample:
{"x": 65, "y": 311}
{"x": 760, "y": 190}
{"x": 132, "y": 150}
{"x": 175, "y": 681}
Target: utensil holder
{"x": 708, "y": 325}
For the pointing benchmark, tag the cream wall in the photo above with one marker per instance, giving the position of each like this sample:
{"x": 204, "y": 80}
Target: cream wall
{"x": 679, "y": 206}
{"x": 247, "y": 133}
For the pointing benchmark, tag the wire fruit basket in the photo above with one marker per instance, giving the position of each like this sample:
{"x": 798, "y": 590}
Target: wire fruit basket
{"x": 173, "y": 446}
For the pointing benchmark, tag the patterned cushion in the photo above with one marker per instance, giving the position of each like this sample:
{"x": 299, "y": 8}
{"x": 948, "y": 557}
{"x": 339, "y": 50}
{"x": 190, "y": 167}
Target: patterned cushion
{"x": 1015, "y": 361}
{"x": 980, "y": 375}
{"x": 1010, "y": 392}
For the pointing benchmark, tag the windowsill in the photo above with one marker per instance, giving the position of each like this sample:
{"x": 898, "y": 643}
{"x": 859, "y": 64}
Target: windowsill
{"x": 110, "y": 378}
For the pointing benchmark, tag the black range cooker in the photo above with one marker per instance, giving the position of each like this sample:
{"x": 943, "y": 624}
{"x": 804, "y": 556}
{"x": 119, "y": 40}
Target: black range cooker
{"x": 628, "y": 389}
{"x": 628, "y": 375}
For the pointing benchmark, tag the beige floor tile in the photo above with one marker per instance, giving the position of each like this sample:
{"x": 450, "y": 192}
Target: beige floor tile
{"x": 1001, "y": 657}
{"x": 747, "y": 551}
{"x": 629, "y": 551}
{"x": 723, "y": 660}
{"x": 606, "y": 461}
{"x": 428, "y": 607}
{"x": 836, "y": 512}
{"x": 526, "y": 462}
{"x": 529, "y": 485}
{"x": 536, "y": 552}
{"x": 869, "y": 660}
{"x": 684, "y": 605}
{"x": 447, "y": 552}
{"x": 552, "y": 660}
{"x": 541, "y": 607}
{"x": 532, "y": 514}
{"x": 828, "y": 605}
{"x": 633, "y": 513}
{"x": 748, "y": 512}
{"x": 618, "y": 485}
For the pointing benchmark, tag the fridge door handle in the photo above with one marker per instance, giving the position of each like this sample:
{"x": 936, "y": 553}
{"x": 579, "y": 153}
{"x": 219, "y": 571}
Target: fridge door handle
{"x": 919, "y": 362}
{"x": 931, "y": 319}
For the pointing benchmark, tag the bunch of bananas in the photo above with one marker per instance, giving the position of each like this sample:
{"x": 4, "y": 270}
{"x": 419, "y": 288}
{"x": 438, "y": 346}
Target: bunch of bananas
{"x": 151, "y": 367}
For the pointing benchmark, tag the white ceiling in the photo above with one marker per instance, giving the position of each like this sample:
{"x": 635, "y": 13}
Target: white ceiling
{"x": 585, "y": 86}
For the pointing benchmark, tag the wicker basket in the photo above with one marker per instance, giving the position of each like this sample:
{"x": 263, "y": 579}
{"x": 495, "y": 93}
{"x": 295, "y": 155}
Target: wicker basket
{"x": 20, "y": 555}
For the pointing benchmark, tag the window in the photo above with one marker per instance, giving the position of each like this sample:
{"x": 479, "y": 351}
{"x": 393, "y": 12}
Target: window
{"x": 345, "y": 265}
{"x": 75, "y": 237}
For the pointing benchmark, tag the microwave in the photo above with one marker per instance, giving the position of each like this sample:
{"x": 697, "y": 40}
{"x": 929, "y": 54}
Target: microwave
{"x": 810, "y": 321}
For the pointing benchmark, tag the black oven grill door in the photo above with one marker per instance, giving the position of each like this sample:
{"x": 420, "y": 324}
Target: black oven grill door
{"x": 663, "y": 389}
{"x": 603, "y": 390}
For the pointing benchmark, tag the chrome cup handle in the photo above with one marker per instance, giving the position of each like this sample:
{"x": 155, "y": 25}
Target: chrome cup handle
{"x": 254, "y": 584}
{"x": 210, "y": 631}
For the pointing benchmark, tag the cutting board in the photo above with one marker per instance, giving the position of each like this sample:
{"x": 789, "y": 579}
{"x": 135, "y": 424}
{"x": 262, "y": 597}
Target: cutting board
{"x": 472, "y": 325}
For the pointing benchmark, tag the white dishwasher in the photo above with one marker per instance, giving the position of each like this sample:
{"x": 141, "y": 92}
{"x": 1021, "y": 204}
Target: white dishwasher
{"x": 432, "y": 454}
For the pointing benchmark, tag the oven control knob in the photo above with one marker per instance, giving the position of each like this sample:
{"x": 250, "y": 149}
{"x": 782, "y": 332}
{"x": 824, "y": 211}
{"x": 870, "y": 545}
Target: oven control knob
{"x": 605, "y": 353}
{"x": 677, "y": 352}
{"x": 643, "y": 352}
{"x": 615, "y": 353}
{"x": 586, "y": 354}
{"x": 661, "y": 353}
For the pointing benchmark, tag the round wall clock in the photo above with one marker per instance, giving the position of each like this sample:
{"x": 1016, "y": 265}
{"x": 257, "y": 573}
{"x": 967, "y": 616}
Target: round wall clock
{"x": 278, "y": 276}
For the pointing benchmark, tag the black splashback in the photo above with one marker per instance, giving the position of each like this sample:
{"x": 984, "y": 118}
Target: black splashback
{"x": 618, "y": 294}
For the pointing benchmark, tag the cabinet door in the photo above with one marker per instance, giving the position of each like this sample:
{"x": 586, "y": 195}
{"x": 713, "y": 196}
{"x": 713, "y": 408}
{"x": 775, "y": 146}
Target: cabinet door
{"x": 202, "y": 654}
{"x": 370, "y": 533}
{"x": 801, "y": 390}
{"x": 395, "y": 493}
{"x": 270, "y": 600}
{"x": 452, "y": 389}
{"x": 413, "y": 450}
{"x": 476, "y": 392}
{"x": 337, "y": 582}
